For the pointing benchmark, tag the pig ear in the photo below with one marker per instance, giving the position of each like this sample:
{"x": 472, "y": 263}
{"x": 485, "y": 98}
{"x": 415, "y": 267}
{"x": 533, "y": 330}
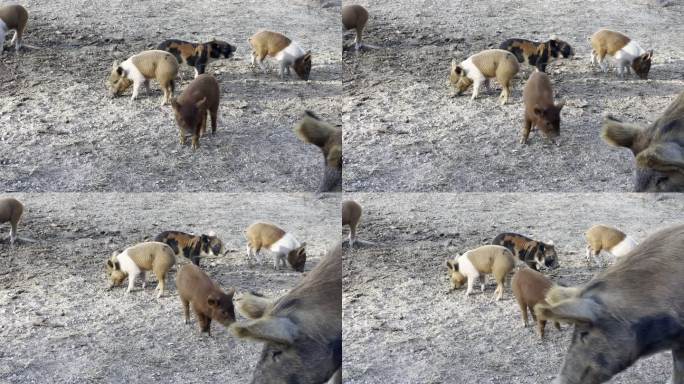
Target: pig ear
{"x": 201, "y": 103}
{"x": 211, "y": 234}
{"x": 650, "y": 55}
{"x": 619, "y": 134}
{"x": 307, "y": 56}
{"x": 573, "y": 311}
{"x": 560, "y": 105}
{"x": 212, "y": 301}
{"x": 665, "y": 157}
{"x": 270, "y": 329}
{"x": 117, "y": 266}
{"x": 230, "y": 292}
{"x": 175, "y": 104}
{"x": 110, "y": 264}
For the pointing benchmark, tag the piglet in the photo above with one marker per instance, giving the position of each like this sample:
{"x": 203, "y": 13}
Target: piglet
{"x": 282, "y": 244}
{"x": 476, "y": 263}
{"x": 482, "y": 66}
{"x": 10, "y": 211}
{"x": 529, "y": 289}
{"x": 136, "y": 260}
{"x": 12, "y": 17}
{"x": 285, "y": 51}
{"x": 140, "y": 68}
{"x": 625, "y": 51}
{"x": 355, "y": 17}
{"x": 208, "y": 300}
{"x": 605, "y": 238}
{"x": 190, "y": 109}
{"x": 351, "y": 214}
{"x": 540, "y": 110}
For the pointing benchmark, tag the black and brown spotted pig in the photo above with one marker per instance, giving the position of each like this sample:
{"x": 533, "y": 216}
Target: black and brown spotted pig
{"x": 197, "y": 55}
{"x": 193, "y": 247}
{"x": 534, "y": 253}
{"x": 537, "y": 53}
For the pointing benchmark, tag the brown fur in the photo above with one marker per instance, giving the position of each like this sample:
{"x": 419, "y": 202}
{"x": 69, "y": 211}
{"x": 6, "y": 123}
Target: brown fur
{"x": 529, "y": 289}
{"x": 487, "y": 259}
{"x": 263, "y": 235}
{"x": 607, "y": 42}
{"x": 493, "y": 63}
{"x": 153, "y": 64}
{"x": 16, "y": 18}
{"x": 10, "y": 211}
{"x": 355, "y": 17}
{"x": 267, "y": 43}
{"x": 208, "y": 300}
{"x": 150, "y": 256}
{"x": 351, "y": 214}
{"x": 618, "y": 319}
{"x": 311, "y": 129}
{"x": 191, "y": 246}
{"x": 191, "y": 108}
{"x": 540, "y": 110}
{"x": 304, "y": 327}
{"x": 252, "y": 305}
{"x": 658, "y": 148}
{"x": 600, "y": 237}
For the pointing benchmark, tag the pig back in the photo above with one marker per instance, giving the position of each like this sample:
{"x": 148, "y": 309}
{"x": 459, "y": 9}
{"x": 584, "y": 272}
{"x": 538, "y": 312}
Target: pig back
{"x": 152, "y": 255}
{"x": 10, "y": 210}
{"x": 269, "y": 43}
{"x": 193, "y": 284}
{"x": 15, "y": 16}
{"x": 351, "y": 212}
{"x": 202, "y": 86}
{"x": 263, "y": 234}
{"x": 156, "y": 63}
{"x": 538, "y": 91}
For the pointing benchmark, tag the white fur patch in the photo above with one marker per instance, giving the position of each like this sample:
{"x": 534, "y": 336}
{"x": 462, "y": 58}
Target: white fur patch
{"x": 132, "y": 72}
{"x": 466, "y": 267}
{"x": 624, "y": 247}
{"x": 629, "y": 52}
{"x": 290, "y": 54}
{"x": 285, "y": 244}
{"x": 127, "y": 264}
{"x": 472, "y": 71}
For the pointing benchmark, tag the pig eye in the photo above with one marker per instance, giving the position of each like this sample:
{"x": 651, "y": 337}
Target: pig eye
{"x": 275, "y": 355}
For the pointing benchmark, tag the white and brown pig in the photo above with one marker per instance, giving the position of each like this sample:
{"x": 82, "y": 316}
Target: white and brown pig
{"x": 351, "y": 214}
{"x": 625, "y": 52}
{"x": 10, "y": 211}
{"x": 13, "y": 17}
{"x": 530, "y": 288}
{"x": 208, "y": 300}
{"x": 283, "y": 245}
{"x": 476, "y": 263}
{"x": 480, "y": 67}
{"x": 608, "y": 239}
{"x": 355, "y": 17}
{"x": 285, "y": 51}
{"x": 540, "y": 110}
{"x": 195, "y": 103}
{"x": 140, "y": 69}
{"x": 137, "y": 260}
{"x": 633, "y": 309}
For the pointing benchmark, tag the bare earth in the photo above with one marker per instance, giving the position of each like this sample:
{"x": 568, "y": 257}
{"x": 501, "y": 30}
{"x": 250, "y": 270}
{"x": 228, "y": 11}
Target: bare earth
{"x": 58, "y": 323}
{"x": 60, "y": 131}
{"x": 402, "y": 325}
{"x": 405, "y": 131}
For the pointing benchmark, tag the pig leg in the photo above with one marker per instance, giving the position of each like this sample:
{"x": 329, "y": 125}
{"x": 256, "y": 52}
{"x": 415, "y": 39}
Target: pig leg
{"x": 276, "y": 261}
{"x": 204, "y": 322}
{"x": 136, "y": 89}
{"x": 352, "y": 235}
{"x": 471, "y": 282}
{"x": 677, "y": 366}
{"x": 594, "y": 60}
{"x": 482, "y": 282}
{"x": 523, "y": 312}
{"x": 131, "y": 282}
{"x": 198, "y": 132}
{"x": 161, "y": 285}
{"x": 181, "y": 132}
{"x": 476, "y": 88}
{"x": 13, "y": 233}
{"x": 283, "y": 69}
{"x": 214, "y": 116}
{"x": 541, "y": 324}
{"x": 2, "y": 41}
{"x": 505, "y": 92}
{"x": 147, "y": 87}
{"x": 186, "y": 310}
{"x": 527, "y": 127}
{"x": 144, "y": 279}
{"x": 249, "y": 254}
{"x": 557, "y": 325}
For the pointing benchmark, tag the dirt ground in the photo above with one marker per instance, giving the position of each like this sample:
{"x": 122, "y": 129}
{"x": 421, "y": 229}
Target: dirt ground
{"x": 405, "y": 131}
{"x": 59, "y": 130}
{"x": 58, "y": 323}
{"x": 402, "y": 325}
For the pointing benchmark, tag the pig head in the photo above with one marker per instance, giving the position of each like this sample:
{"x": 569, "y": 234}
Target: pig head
{"x": 631, "y": 310}
{"x": 301, "y": 331}
{"x": 658, "y": 149}
{"x": 311, "y": 129}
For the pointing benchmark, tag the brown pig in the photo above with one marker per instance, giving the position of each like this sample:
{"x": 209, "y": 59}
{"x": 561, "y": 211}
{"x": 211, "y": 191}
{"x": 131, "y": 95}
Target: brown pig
{"x": 12, "y": 17}
{"x": 540, "y": 110}
{"x": 208, "y": 300}
{"x": 10, "y": 211}
{"x": 529, "y": 289}
{"x": 355, "y": 17}
{"x": 351, "y": 214}
{"x": 190, "y": 109}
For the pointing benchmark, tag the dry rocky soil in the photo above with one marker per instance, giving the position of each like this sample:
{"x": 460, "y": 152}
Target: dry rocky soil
{"x": 59, "y": 324}
{"x": 401, "y": 323}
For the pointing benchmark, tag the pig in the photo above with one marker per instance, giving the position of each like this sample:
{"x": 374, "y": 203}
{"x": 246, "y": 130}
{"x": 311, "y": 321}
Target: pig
{"x": 529, "y": 289}
{"x": 282, "y": 244}
{"x": 605, "y": 238}
{"x": 191, "y": 246}
{"x": 482, "y": 66}
{"x": 540, "y": 110}
{"x": 199, "y": 99}
{"x": 136, "y": 260}
{"x": 208, "y": 300}
{"x": 312, "y": 130}
{"x": 13, "y": 17}
{"x": 476, "y": 263}
{"x": 658, "y": 148}
{"x": 10, "y": 211}
{"x": 536, "y": 254}
{"x": 617, "y": 319}
{"x": 252, "y": 305}
{"x": 625, "y": 51}
{"x": 355, "y": 17}
{"x": 351, "y": 214}
{"x": 302, "y": 330}
{"x": 139, "y": 69}
{"x": 285, "y": 51}
{"x": 537, "y": 53}
{"x": 197, "y": 55}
